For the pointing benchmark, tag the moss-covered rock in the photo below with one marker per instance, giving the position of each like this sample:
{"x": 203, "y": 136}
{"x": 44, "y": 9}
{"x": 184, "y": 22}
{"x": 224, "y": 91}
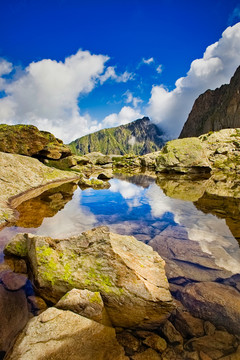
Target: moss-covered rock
{"x": 126, "y": 161}
{"x": 128, "y": 274}
{"x": 28, "y": 140}
{"x": 72, "y": 162}
{"x": 183, "y": 156}
{"x": 96, "y": 184}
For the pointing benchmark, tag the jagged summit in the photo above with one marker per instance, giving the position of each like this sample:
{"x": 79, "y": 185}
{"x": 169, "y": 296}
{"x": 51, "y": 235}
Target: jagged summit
{"x": 215, "y": 109}
{"x": 138, "y": 137}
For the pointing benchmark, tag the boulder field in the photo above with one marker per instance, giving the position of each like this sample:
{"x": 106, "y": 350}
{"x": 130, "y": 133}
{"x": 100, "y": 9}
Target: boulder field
{"x": 96, "y": 282}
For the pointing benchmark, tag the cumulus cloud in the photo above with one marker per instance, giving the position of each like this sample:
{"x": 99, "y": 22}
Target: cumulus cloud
{"x": 125, "y": 115}
{"x": 132, "y": 140}
{"x": 111, "y": 74}
{"x": 170, "y": 109}
{"x": 130, "y": 192}
{"x": 5, "y": 67}
{"x": 46, "y": 94}
{"x": 159, "y": 69}
{"x": 148, "y": 61}
{"x": 132, "y": 99}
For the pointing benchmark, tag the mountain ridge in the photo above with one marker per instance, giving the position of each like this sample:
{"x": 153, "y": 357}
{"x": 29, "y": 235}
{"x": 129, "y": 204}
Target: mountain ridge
{"x": 215, "y": 109}
{"x": 138, "y": 137}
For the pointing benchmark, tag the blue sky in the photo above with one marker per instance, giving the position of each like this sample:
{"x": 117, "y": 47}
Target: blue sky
{"x": 72, "y": 67}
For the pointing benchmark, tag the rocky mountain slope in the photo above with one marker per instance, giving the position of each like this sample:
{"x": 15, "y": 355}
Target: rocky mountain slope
{"x": 215, "y": 110}
{"x": 138, "y": 137}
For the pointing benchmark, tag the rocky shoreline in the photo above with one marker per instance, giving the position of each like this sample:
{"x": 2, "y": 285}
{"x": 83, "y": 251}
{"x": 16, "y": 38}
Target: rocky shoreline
{"x": 105, "y": 296}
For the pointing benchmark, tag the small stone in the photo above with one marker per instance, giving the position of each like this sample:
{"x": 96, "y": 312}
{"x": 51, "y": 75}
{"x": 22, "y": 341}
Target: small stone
{"x": 7, "y": 265}
{"x": 204, "y": 356}
{"x": 20, "y": 266}
{"x": 106, "y": 175}
{"x": 215, "y": 346}
{"x": 148, "y": 354}
{"x": 83, "y": 302}
{"x": 156, "y": 342}
{"x": 193, "y": 355}
{"x": 172, "y": 354}
{"x": 188, "y": 325}
{"x": 13, "y": 281}
{"x": 209, "y": 328}
{"x": 129, "y": 342}
{"x": 172, "y": 335}
{"x": 38, "y": 305}
{"x": 144, "y": 333}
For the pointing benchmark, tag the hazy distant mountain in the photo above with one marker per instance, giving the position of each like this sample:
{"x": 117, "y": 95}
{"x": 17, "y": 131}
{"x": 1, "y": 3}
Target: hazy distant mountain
{"x": 138, "y": 137}
{"x": 215, "y": 109}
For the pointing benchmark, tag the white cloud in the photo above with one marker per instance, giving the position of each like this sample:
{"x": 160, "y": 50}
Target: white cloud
{"x": 170, "y": 109}
{"x": 131, "y": 99}
{"x": 148, "y": 61}
{"x": 126, "y": 115}
{"x": 132, "y": 140}
{"x": 46, "y": 93}
{"x": 5, "y": 67}
{"x": 159, "y": 69}
{"x": 111, "y": 74}
{"x": 212, "y": 234}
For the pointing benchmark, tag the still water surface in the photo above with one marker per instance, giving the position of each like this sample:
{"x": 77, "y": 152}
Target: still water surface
{"x": 136, "y": 205}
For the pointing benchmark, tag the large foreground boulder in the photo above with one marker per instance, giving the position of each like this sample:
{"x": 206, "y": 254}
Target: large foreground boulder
{"x": 128, "y": 274}
{"x": 57, "y": 335}
{"x": 28, "y": 140}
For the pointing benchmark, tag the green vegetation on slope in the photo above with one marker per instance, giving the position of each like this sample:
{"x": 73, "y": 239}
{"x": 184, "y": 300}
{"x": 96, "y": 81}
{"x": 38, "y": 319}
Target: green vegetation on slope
{"x": 138, "y": 137}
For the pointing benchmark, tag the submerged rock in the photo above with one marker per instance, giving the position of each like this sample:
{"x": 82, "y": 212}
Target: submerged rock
{"x": 56, "y": 334}
{"x": 216, "y": 345}
{"x": 128, "y": 274}
{"x": 21, "y": 174}
{"x": 13, "y": 315}
{"x": 215, "y": 302}
{"x": 28, "y": 140}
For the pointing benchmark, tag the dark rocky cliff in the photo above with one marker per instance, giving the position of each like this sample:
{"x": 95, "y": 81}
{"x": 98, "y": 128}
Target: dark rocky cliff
{"x": 215, "y": 110}
{"x": 138, "y": 137}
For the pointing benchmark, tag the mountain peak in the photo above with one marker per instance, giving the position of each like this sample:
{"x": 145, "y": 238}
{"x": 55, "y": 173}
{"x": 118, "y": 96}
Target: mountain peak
{"x": 138, "y": 137}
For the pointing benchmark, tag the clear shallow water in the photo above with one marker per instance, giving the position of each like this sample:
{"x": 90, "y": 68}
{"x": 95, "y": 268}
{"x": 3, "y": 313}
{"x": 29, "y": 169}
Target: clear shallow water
{"x": 136, "y": 206}
{"x": 195, "y": 238}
